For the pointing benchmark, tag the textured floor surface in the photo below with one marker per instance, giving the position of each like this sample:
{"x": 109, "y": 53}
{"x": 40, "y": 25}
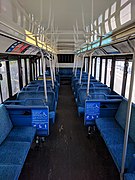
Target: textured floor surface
{"x": 67, "y": 153}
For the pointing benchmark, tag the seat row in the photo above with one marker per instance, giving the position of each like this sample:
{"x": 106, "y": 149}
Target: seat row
{"x": 30, "y": 105}
{"x": 15, "y": 142}
{"x": 112, "y": 131}
{"x": 98, "y": 92}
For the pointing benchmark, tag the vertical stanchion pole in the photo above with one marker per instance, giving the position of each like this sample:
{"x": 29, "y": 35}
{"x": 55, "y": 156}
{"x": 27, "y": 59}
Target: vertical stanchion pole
{"x": 88, "y": 85}
{"x": 51, "y": 73}
{"x": 128, "y": 117}
{"x": 81, "y": 69}
{"x": 76, "y": 65}
{"x": 44, "y": 76}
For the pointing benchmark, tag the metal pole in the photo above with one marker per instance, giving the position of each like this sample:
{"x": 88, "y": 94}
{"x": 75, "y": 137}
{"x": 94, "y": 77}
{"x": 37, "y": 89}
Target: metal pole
{"x": 128, "y": 117}
{"x": 88, "y": 85}
{"x": 51, "y": 73}
{"x": 54, "y": 74}
{"x": 81, "y": 69}
{"x": 76, "y": 65}
{"x": 44, "y": 76}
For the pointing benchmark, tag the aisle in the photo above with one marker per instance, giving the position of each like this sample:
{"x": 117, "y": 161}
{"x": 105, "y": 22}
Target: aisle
{"x": 67, "y": 153}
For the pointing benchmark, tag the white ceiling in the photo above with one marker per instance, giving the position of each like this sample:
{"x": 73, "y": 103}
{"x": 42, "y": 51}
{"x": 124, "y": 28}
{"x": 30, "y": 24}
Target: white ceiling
{"x": 66, "y": 13}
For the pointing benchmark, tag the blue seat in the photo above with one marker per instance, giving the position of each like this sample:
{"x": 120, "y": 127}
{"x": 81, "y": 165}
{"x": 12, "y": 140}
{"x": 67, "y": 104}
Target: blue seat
{"x": 15, "y": 143}
{"x": 112, "y": 131}
{"x": 13, "y": 152}
{"x": 23, "y": 134}
{"x": 10, "y": 172}
{"x": 129, "y": 176}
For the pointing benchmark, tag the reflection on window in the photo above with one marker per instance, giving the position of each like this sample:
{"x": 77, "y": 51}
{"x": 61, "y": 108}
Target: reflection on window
{"x": 108, "y": 72}
{"x": 107, "y": 27}
{"x": 97, "y": 68}
{"x": 95, "y": 23}
{"x": 92, "y": 38}
{"x": 4, "y": 83}
{"x": 123, "y": 2}
{"x": 99, "y": 29}
{"x": 93, "y": 65}
{"x": 37, "y": 67}
{"x": 28, "y": 70}
{"x": 128, "y": 81}
{"x": 95, "y": 35}
{"x": 125, "y": 14}
{"x": 14, "y": 76}
{"x": 91, "y": 27}
{"x": 106, "y": 14}
{"x": 113, "y": 23}
{"x": 119, "y": 69}
{"x": 113, "y": 8}
{"x": 23, "y": 72}
{"x": 41, "y": 70}
{"x": 103, "y": 71}
{"x": 100, "y": 19}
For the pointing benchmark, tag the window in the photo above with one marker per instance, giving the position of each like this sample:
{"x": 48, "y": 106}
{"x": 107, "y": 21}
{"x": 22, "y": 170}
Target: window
{"x": 4, "y": 83}
{"x": 113, "y": 8}
{"x": 23, "y": 72}
{"x": 99, "y": 29}
{"x": 113, "y": 23}
{"x": 93, "y": 65}
{"x": 108, "y": 72}
{"x": 28, "y": 70}
{"x": 103, "y": 71}
{"x": 118, "y": 79}
{"x": 125, "y": 14}
{"x": 91, "y": 27}
{"x": 128, "y": 81}
{"x": 100, "y": 19}
{"x": 95, "y": 35}
{"x": 95, "y": 23}
{"x": 106, "y": 14}
{"x": 14, "y": 76}
{"x": 97, "y": 68}
{"x": 92, "y": 39}
{"x": 38, "y": 67}
{"x": 41, "y": 70}
{"x": 107, "y": 27}
{"x": 123, "y": 2}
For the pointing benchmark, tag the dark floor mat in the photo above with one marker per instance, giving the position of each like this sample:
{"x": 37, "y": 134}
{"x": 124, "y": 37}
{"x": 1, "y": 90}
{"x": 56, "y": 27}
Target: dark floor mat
{"x": 67, "y": 153}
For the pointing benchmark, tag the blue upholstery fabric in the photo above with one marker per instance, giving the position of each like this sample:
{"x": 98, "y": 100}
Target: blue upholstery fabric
{"x": 121, "y": 113}
{"x": 5, "y": 123}
{"x": 10, "y": 172}
{"x": 129, "y": 176}
{"x": 117, "y": 150}
{"x": 106, "y": 123}
{"x": 39, "y": 95}
{"x": 12, "y": 152}
{"x": 22, "y": 134}
{"x": 113, "y": 136}
{"x": 132, "y": 124}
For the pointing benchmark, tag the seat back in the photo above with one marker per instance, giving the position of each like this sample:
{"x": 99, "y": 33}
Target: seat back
{"x": 121, "y": 113}
{"x": 5, "y": 123}
{"x": 121, "y": 117}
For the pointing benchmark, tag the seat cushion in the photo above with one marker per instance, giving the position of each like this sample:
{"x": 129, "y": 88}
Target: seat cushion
{"x": 12, "y": 152}
{"x": 10, "y": 172}
{"x": 106, "y": 123}
{"x": 25, "y": 134}
{"x": 117, "y": 150}
{"x": 113, "y": 136}
{"x": 129, "y": 176}
{"x": 5, "y": 123}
